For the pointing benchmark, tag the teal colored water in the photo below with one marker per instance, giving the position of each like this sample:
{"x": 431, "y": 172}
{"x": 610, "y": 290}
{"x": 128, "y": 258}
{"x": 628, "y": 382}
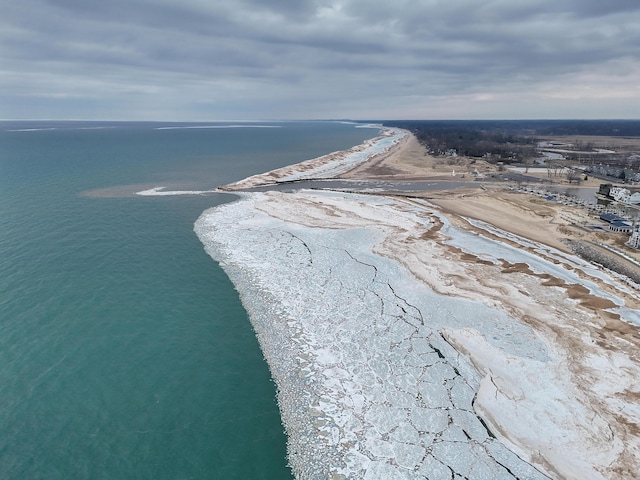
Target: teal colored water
{"x": 124, "y": 350}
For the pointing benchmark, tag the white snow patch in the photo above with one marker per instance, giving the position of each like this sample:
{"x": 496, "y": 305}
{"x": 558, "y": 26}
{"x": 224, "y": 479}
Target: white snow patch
{"x": 160, "y": 191}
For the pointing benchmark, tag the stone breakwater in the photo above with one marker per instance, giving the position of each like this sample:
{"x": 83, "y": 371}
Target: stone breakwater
{"x": 607, "y": 260}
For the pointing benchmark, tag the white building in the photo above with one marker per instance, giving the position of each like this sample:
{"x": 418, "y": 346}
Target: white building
{"x": 623, "y": 195}
{"x": 634, "y": 239}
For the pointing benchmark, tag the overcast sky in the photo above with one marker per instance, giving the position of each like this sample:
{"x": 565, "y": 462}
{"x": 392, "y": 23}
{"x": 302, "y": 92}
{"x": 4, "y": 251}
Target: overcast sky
{"x": 292, "y": 59}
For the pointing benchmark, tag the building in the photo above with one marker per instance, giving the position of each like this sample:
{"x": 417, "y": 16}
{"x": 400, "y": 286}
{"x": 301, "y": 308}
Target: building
{"x": 619, "y": 194}
{"x": 619, "y": 226}
{"x": 634, "y": 239}
{"x": 610, "y": 218}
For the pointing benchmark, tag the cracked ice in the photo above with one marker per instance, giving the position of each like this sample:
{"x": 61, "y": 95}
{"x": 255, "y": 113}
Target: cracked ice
{"x": 367, "y": 359}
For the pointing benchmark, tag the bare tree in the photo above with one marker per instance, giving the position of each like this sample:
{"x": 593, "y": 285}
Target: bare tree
{"x": 557, "y": 169}
{"x": 573, "y": 176}
{"x": 528, "y": 161}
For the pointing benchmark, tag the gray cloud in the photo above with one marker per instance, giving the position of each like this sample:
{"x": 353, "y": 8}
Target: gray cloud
{"x": 313, "y": 58}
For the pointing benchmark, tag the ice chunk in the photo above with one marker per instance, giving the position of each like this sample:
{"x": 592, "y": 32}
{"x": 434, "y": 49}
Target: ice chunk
{"x": 429, "y": 420}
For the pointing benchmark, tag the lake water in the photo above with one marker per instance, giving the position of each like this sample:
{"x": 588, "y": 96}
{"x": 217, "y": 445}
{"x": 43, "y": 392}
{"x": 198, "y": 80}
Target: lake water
{"x": 124, "y": 349}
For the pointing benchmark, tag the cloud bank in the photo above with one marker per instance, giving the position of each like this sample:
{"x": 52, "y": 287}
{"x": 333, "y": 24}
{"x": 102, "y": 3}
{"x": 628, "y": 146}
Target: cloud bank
{"x": 246, "y": 59}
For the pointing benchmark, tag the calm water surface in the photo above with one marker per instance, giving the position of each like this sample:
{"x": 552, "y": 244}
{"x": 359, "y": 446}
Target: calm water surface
{"x": 124, "y": 350}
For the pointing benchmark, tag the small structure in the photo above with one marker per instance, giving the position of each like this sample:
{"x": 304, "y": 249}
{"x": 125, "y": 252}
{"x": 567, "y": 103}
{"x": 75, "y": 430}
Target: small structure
{"x": 620, "y": 227}
{"x": 604, "y": 189}
{"x": 616, "y": 223}
{"x": 610, "y": 218}
{"x": 634, "y": 239}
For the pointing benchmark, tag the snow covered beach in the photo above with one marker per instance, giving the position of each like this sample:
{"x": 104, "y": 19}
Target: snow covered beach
{"x": 407, "y": 345}
{"x": 327, "y": 166}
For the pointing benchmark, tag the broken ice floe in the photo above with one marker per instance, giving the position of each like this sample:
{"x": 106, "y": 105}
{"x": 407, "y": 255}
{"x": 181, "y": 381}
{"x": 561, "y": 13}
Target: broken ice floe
{"x": 368, "y": 386}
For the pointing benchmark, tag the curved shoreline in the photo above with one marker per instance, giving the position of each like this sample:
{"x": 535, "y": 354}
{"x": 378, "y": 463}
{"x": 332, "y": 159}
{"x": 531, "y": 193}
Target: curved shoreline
{"x": 336, "y": 414}
{"x": 404, "y": 286}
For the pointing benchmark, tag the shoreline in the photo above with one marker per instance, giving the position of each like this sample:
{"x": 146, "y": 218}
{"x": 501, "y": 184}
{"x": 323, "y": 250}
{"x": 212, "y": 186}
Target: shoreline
{"x": 542, "y": 341}
{"x": 326, "y": 166}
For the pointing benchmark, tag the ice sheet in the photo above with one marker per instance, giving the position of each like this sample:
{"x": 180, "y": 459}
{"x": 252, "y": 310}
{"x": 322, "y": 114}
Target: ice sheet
{"x": 387, "y": 367}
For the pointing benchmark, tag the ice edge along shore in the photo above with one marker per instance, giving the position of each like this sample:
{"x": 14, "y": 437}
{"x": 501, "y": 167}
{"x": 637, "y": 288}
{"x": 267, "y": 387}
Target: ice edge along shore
{"x": 393, "y": 351}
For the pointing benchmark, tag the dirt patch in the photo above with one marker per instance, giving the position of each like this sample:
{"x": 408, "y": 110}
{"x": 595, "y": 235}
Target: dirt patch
{"x": 409, "y": 160}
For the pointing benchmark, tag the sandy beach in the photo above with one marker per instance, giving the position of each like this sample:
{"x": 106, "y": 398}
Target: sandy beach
{"x": 427, "y": 336}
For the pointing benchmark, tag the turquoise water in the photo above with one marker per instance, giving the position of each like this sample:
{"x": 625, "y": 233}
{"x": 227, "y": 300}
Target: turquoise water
{"x": 124, "y": 350}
